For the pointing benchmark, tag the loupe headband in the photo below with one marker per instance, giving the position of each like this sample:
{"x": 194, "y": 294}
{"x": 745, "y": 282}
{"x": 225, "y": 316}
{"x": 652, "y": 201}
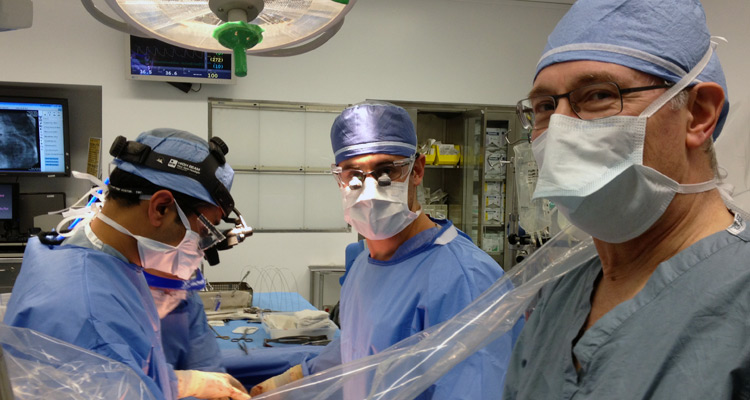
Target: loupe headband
{"x": 203, "y": 172}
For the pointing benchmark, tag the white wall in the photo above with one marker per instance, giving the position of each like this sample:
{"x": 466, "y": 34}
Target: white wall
{"x": 419, "y": 50}
{"x": 733, "y": 146}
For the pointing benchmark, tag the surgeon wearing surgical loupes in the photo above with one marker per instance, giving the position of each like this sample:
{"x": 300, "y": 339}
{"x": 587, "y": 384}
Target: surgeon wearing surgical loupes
{"x": 91, "y": 291}
{"x": 417, "y": 271}
{"x": 626, "y": 102}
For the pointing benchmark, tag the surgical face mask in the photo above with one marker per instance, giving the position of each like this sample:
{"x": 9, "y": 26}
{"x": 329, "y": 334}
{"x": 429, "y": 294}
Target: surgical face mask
{"x": 181, "y": 260}
{"x": 167, "y": 300}
{"x": 593, "y": 171}
{"x": 378, "y": 212}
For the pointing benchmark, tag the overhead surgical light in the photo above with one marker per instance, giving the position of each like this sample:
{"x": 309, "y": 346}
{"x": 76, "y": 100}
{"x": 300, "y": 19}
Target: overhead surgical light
{"x": 256, "y": 27}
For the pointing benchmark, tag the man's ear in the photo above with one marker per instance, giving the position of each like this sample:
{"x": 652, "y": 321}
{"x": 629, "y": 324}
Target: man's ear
{"x": 159, "y": 206}
{"x": 704, "y": 105}
{"x": 418, "y": 170}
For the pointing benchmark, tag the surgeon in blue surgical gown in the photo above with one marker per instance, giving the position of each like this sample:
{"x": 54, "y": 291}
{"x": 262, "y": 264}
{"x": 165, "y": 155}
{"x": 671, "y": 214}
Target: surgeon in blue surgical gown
{"x": 91, "y": 290}
{"x": 188, "y": 341}
{"x": 417, "y": 271}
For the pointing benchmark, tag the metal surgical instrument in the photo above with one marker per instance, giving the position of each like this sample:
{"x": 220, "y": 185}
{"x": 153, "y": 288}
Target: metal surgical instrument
{"x": 217, "y": 333}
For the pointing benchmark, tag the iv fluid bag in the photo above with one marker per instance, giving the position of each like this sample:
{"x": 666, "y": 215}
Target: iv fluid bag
{"x": 538, "y": 215}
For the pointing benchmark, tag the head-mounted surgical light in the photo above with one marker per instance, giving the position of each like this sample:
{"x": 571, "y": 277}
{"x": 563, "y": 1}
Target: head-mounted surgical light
{"x": 204, "y": 172}
{"x": 232, "y": 237}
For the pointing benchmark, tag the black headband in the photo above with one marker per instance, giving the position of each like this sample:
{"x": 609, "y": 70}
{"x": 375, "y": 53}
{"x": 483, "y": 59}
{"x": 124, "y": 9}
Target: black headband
{"x": 203, "y": 172}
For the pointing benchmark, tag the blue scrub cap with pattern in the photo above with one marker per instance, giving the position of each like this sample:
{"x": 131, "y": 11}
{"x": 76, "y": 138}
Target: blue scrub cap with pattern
{"x": 664, "y": 38}
{"x": 370, "y": 128}
{"x": 185, "y": 145}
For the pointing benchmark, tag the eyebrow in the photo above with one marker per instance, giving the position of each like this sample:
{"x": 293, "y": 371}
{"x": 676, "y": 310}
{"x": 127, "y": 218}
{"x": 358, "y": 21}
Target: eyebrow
{"x": 583, "y": 80}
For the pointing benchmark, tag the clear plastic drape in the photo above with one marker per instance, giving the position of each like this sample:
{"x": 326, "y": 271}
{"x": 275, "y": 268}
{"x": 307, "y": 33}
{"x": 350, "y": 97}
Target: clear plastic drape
{"x": 42, "y": 367}
{"x": 406, "y": 369}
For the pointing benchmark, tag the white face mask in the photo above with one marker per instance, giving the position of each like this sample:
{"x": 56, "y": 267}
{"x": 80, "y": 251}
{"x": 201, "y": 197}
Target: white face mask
{"x": 593, "y": 171}
{"x": 167, "y": 300}
{"x": 181, "y": 260}
{"x": 378, "y": 212}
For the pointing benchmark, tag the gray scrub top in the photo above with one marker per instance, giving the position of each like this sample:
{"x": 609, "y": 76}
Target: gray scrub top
{"x": 685, "y": 335}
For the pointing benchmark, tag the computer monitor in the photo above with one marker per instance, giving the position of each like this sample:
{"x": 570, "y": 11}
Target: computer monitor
{"x": 36, "y": 204}
{"x": 153, "y": 60}
{"x": 8, "y": 202}
{"x": 34, "y": 138}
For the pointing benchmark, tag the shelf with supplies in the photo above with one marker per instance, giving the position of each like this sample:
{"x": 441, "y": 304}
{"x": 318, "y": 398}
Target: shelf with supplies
{"x": 478, "y": 193}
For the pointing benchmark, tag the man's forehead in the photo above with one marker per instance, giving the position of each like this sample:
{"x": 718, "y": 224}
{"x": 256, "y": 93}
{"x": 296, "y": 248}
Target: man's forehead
{"x": 566, "y": 76}
{"x": 369, "y": 160}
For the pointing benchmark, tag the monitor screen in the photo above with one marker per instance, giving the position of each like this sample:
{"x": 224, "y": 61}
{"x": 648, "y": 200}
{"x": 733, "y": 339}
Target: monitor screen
{"x": 151, "y": 59}
{"x": 34, "y": 136}
{"x": 8, "y": 201}
{"x": 32, "y": 205}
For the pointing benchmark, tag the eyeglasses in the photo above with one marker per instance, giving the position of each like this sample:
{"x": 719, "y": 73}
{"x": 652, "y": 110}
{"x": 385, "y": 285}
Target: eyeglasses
{"x": 210, "y": 235}
{"x": 595, "y": 101}
{"x": 384, "y": 173}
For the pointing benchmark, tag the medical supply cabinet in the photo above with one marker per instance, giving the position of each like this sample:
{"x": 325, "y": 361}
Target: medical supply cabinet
{"x": 478, "y": 189}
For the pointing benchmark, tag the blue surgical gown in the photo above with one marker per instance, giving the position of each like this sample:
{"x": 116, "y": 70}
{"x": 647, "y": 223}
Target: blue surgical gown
{"x": 188, "y": 341}
{"x": 429, "y": 279}
{"x": 685, "y": 335}
{"x": 96, "y": 301}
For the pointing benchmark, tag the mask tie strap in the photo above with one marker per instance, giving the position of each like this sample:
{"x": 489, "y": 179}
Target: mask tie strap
{"x": 681, "y": 84}
{"x": 688, "y": 188}
{"x": 107, "y": 220}
{"x": 183, "y": 218}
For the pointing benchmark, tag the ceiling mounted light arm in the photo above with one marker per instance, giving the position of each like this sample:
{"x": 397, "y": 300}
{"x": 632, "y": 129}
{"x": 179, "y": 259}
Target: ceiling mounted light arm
{"x": 303, "y": 48}
{"x": 109, "y": 21}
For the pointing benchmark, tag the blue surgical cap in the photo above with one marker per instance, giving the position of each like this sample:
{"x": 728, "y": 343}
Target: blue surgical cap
{"x": 370, "y": 128}
{"x": 185, "y": 145}
{"x": 664, "y": 38}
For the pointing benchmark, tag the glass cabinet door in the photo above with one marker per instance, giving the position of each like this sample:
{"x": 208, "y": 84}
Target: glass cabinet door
{"x": 473, "y": 169}
{"x": 489, "y": 182}
{"x": 477, "y": 191}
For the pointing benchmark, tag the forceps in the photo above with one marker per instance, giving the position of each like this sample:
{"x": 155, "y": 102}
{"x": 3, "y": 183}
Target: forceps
{"x": 242, "y": 340}
{"x": 321, "y": 340}
{"x": 217, "y": 333}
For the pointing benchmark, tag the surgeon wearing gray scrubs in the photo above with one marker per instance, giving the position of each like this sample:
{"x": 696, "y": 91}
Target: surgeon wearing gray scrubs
{"x": 626, "y": 102}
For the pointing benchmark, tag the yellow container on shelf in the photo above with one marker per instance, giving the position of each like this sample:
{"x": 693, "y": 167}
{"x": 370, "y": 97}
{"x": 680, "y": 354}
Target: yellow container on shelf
{"x": 430, "y": 156}
{"x": 447, "y": 159}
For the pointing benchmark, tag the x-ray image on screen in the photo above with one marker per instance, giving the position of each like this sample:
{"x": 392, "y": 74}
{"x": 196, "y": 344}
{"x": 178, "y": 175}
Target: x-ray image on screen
{"x": 19, "y": 139}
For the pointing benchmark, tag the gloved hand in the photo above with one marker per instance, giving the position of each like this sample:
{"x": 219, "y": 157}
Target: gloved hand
{"x": 209, "y": 385}
{"x": 291, "y": 375}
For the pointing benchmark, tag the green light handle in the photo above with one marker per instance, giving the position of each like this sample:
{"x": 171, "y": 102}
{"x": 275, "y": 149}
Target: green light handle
{"x": 240, "y": 62}
{"x": 239, "y": 36}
